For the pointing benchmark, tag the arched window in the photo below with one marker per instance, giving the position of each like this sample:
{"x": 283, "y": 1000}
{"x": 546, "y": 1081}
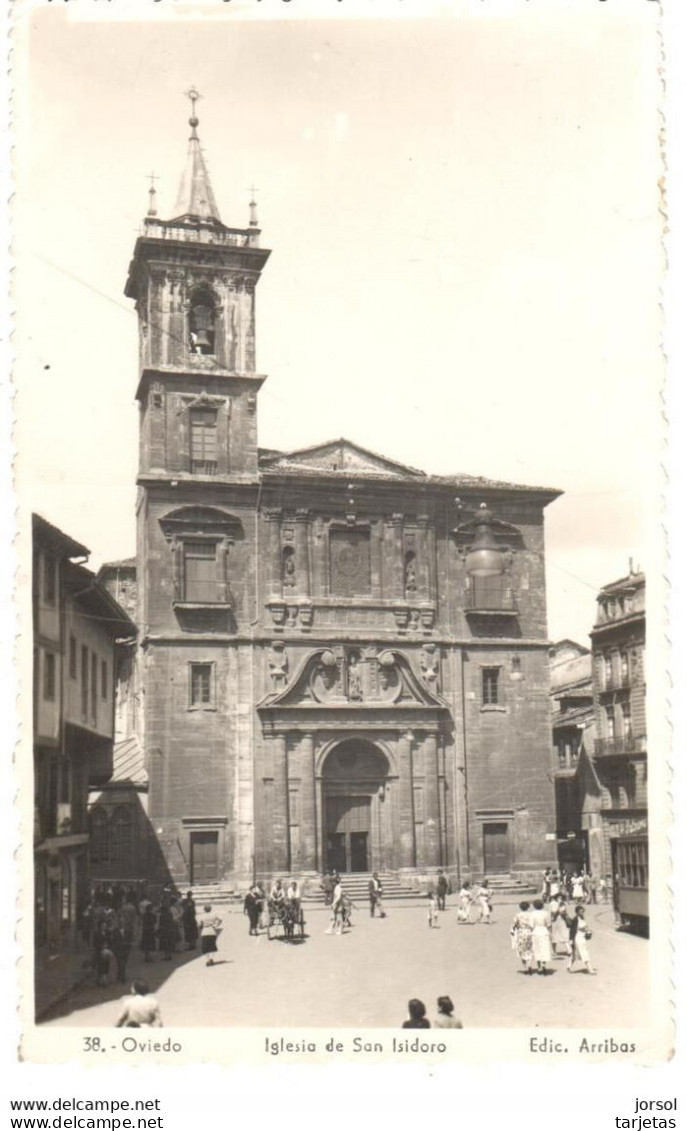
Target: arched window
{"x": 99, "y": 838}
{"x": 121, "y": 840}
{"x": 201, "y": 323}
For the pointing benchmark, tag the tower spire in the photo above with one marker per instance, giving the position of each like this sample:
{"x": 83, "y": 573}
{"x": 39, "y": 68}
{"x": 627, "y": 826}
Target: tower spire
{"x": 196, "y": 197}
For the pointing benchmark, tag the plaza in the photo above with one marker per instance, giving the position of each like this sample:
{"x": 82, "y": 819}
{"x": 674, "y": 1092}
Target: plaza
{"x": 365, "y": 977}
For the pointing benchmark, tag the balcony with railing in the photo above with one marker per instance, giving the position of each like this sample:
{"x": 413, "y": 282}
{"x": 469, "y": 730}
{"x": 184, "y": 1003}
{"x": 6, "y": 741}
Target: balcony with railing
{"x": 489, "y": 595}
{"x": 201, "y": 232}
{"x": 620, "y": 744}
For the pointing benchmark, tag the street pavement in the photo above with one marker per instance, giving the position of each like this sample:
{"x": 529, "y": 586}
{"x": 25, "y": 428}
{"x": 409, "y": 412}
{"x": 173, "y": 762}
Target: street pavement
{"x": 365, "y": 977}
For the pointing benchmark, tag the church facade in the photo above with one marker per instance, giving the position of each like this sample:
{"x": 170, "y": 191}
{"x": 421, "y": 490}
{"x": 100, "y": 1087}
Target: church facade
{"x": 343, "y": 660}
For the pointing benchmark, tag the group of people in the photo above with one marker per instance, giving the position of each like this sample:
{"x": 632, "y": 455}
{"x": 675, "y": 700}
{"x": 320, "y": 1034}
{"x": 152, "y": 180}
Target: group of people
{"x": 539, "y": 933}
{"x": 257, "y": 905}
{"x": 115, "y": 920}
{"x": 445, "y": 1019}
{"x": 475, "y": 903}
{"x": 579, "y": 886}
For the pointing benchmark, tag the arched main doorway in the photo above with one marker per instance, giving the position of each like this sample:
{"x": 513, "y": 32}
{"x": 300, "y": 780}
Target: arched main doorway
{"x": 354, "y": 780}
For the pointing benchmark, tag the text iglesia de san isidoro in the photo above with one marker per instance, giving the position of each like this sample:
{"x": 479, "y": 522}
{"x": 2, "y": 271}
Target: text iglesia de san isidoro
{"x": 344, "y": 660}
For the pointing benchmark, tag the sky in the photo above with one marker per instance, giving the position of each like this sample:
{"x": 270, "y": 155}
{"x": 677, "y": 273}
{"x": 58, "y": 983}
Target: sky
{"x": 463, "y": 212}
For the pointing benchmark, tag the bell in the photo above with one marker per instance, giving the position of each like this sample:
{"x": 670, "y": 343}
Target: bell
{"x": 484, "y": 558}
{"x": 202, "y": 339}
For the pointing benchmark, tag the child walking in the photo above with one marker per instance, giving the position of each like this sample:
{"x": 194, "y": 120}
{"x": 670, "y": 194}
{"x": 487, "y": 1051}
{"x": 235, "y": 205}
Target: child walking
{"x": 432, "y": 909}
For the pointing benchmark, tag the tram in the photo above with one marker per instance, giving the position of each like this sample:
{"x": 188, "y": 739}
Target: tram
{"x": 630, "y": 857}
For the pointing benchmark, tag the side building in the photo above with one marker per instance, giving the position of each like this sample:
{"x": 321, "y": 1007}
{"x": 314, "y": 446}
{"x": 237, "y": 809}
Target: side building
{"x": 620, "y": 750}
{"x": 76, "y": 626}
{"x": 574, "y": 733}
{"x": 341, "y": 664}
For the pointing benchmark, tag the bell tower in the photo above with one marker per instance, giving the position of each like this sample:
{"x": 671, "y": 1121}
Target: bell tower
{"x": 193, "y": 280}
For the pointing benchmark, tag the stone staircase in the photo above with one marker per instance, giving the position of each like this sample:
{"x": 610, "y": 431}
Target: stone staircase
{"x": 356, "y": 886}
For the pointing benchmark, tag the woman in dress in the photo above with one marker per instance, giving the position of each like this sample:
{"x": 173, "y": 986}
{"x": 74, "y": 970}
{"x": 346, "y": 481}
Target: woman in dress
{"x": 580, "y": 936}
{"x": 483, "y": 898}
{"x": 445, "y": 1018}
{"x": 541, "y": 937}
{"x": 464, "y": 901}
{"x": 560, "y": 931}
{"x": 210, "y": 927}
{"x": 577, "y": 888}
{"x": 521, "y": 936}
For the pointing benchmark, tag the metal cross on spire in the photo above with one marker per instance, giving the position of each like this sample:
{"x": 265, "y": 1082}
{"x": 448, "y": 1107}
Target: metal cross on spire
{"x": 193, "y": 95}
{"x": 152, "y": 205}
{"x": 253, "y": 222}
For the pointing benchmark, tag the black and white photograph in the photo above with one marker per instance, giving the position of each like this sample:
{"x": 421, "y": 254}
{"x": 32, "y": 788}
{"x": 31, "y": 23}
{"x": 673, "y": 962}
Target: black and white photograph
{"x": 338, "y": 442}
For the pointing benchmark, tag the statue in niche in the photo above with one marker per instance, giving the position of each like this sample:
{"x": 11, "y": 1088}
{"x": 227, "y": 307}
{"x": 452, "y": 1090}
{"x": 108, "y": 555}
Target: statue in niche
{"x": 429, "y": 664}
{"x": 288, "y": 571}
{"x": 410, "y": 574}
{"x": 355, "y": 682}
{"x": 278, "y": 662}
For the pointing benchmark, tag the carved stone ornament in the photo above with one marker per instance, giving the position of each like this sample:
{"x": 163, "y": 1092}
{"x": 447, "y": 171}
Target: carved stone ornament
{"x": 278, "y": 611}
{"x": 292, "y": 615}
{"x": 429, "y": 664}
{"x": 414, "y": 623}
{"x": 427, "y": 617}
{"x": 278, "y": 662}
{"x": 306, "y": 614}
{"x": 325, "y": 682}
{"x": 401, "y": 616}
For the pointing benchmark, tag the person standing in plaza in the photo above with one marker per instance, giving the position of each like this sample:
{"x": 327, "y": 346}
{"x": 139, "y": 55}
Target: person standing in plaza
{"x": 442, "y": 890}
{"x": 148, "y": 932}
{"x": 210, "y": 926}
{"x": 432, "y": 909}
{"x": 464, "y": 903}
{"x": 483, "y": 896}
{"x": 166, "y": 931}
{"x": 251, "y": 909}
{"x": 375, "y": 893}
{"x": 560, "y": 932}
{"x": 189, "y": 922}
{"x": 336, "y": 924}
{"x": 541, "y": 936}
{"x": 120, "y": 944}
{"x": 580, "y": 935}
{"x": 521, "y": 936}
{"x": 445, "y": 1018}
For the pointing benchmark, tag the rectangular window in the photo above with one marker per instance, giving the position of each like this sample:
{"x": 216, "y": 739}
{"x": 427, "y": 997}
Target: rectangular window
{"x": 610, "y": 722}
{"x": 94, "y": 688}
{"x": 200, "y": 572}
{"x": 85, "y": 673}
{"x": 608, "y": 671}
{"x": 627, "y": 720}
{"x": 72, "y": 657}
{"x": 49, "y": 580}
{"x": 624, "y": 667}
{"x": 201, "y": 691}
{"x": 203, "y": 424}
{"x": 491, "y": 687}
{"x": 49, "y": 677}
{"x": 103, "y": 678}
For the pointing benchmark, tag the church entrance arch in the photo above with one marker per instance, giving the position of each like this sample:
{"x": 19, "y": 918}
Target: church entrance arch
{"x": 354, "y": 780}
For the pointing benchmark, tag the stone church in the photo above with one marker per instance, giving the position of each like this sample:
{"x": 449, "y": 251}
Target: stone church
{"x": 343, "y": 661}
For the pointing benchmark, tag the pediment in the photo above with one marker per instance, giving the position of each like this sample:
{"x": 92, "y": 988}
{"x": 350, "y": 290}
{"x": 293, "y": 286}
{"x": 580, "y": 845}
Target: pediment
{"x": 346, "y": 676}
{"x": 339, "y": 457}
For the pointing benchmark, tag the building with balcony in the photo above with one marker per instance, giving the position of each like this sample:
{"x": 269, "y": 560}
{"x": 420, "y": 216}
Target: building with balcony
{"x": 343, "y": 659}
{"x": 620, "y": 748}
{"x": 574, "y": 733}
{"x": 76, "y": 626}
